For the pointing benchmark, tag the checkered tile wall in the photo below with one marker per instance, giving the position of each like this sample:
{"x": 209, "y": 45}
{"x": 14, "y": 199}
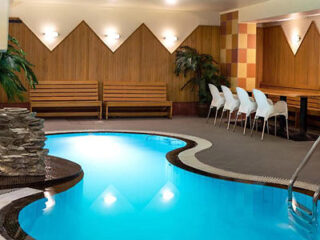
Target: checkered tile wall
{"x": 238, "y": 51}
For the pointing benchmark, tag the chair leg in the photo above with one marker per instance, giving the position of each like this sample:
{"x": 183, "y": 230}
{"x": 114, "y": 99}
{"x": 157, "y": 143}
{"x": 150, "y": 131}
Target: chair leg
{"x": 229, "y": 119}
{"x": 263, "y": 129}
{"x": 254, "y": 122}
{"x": 210, "y": 109}
{"x": 235, "y": 124}
{"x": 250, "y": 121}
{"x": 287, "y": 128}
{"x": 245, "y": 125}
{"x": 275, "y": 125}
{"x": 215, "y": 118}
{"x": 223, "y": 111}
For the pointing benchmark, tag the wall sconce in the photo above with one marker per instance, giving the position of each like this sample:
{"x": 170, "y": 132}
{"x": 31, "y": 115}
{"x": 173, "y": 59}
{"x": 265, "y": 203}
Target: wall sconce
{"x": 113, "y": 36}
{"x": 296, "y": 38}
{"x": 170, "y": 38}
{"x": 51, "y": 35}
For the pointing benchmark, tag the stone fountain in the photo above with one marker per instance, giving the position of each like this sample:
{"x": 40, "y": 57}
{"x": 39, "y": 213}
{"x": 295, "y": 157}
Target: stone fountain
{"x": 22, "y": 140}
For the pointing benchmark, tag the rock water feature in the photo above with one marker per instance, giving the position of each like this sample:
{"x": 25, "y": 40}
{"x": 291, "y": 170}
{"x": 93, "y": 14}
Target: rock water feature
{"x": 21, "y": 143}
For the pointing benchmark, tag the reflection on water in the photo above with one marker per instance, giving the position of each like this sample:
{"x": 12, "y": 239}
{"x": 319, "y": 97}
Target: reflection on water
{"x": 130, "y": 191}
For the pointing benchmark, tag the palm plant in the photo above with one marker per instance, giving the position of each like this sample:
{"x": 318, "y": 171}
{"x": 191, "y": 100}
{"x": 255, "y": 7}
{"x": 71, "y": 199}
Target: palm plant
{"x": 203, "y": 69}
{"x": 12, "y": 63}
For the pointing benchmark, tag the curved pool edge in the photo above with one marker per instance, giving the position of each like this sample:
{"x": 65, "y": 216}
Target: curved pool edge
{"x": 184, "y": 158}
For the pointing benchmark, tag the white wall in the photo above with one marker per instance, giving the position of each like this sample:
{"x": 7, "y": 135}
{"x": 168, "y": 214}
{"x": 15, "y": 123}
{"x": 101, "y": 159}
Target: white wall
{"x": 63, "y": 18}
{"x": 4, "y": 12}
{"x": 275, "y": 8}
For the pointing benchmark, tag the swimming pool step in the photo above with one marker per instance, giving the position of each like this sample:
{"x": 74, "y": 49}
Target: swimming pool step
{"x": 302, "y": 207}
{"x": 300, "y": 223}
{"x": 303, "y": 215}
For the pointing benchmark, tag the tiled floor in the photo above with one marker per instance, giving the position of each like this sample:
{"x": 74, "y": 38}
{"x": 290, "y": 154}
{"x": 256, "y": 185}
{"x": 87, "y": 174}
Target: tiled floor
{"x": 273, "y": 157}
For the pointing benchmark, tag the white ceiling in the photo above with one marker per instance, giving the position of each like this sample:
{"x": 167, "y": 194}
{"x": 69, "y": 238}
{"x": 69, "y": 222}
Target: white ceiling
{"x": 191, "y": 5}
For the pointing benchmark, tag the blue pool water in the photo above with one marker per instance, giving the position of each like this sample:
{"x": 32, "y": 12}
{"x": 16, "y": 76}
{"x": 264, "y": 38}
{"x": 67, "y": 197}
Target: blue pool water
{"x": 131, "y": 191}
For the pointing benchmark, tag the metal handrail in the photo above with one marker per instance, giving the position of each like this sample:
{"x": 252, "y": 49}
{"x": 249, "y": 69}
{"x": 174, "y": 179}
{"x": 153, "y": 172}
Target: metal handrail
{"x": 300, "y": 167}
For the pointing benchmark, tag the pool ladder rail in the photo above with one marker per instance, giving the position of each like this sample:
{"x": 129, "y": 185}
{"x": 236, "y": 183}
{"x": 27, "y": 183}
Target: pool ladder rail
{"x": 304, "y": 216}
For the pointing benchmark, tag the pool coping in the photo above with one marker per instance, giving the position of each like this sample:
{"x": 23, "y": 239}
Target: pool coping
{"x": 185, "y": 158}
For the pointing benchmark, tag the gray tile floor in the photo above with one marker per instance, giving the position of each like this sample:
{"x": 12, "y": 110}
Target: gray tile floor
{"x": 273, "y": 157}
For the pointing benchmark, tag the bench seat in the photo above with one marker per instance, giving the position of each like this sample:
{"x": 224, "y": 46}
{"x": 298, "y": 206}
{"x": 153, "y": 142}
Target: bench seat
{"x": 129, "y": 95}
{"x": 57, "y": 97}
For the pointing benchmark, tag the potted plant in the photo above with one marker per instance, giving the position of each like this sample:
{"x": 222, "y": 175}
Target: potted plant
{"x": 202, "y": 69}
{"x": 12, "y": 63}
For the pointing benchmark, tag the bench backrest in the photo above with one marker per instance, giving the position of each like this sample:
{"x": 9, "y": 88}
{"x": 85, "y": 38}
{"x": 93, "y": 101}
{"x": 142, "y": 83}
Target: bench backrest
{"x": 47, "y": 91}
{"x": 313, "y": 102}
{"x": 135, "y": 92}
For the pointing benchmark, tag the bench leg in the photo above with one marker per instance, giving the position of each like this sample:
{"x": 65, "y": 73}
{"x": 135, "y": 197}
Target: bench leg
{"x": 107, "y": 112}
{"x": 100, "y": 112}
{"x": 170, "y": 112}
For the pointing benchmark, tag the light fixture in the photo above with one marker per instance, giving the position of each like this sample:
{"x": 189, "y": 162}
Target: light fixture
{"x": 171, "y": 2}
{"x": 296, "y": 38}
{"x": 110, "y": 199}
{"x": 113, "y": 36}
{"x": 170, "y": 38}
{"x": 51, "y": 35}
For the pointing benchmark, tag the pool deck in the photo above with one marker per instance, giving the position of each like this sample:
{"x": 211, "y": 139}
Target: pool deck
{"x": 231, "y": 151}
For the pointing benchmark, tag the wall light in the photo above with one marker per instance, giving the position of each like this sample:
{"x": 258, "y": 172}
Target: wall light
{"x": 296, "y": 38}
{"x": 50, "y": 35}
{"x": 113, "y": 36}
{"x": 170, "y": 38}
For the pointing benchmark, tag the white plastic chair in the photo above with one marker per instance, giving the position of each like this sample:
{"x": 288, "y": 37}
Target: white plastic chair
{"x": 217, "y": 102}
{"x": 247, "y": 107}
{"x": 266, "y": 109}
{"x": 232, "y": 103}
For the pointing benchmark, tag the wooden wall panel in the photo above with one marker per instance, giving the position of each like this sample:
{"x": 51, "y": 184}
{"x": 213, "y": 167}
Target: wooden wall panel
{"x": 259, "y": 56}
{"x": 281, "y": 68}
{"x": 83, "y": 56}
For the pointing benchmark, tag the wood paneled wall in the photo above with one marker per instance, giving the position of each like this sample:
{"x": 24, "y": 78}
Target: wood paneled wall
{"x": 281, "y": 68}
{"x": 83, "y": 56}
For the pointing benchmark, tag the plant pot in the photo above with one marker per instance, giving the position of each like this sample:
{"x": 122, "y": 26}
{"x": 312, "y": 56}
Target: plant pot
{"x": 203, "y": 109}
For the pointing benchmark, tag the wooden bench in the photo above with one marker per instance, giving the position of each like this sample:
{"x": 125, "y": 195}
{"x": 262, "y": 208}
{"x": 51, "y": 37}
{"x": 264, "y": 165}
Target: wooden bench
{"x": 80, "y": 96}
{"x": 294, "y": 107}
{"x": 126, "y": 97}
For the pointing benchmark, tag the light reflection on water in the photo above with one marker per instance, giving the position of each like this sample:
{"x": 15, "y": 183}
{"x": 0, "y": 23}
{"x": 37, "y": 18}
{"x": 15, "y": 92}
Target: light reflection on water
{"x": 130, "y": 191}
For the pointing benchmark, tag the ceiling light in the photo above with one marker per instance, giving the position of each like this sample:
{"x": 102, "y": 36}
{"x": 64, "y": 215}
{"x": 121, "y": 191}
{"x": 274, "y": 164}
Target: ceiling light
{"x": 113, "y": 36}
{"x": 171, "y": 2}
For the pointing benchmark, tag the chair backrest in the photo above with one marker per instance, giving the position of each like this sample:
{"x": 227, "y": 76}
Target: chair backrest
{"x": 134, "y": 92}
{"x": 214, "y": 92}
{"x": 243, "y": 96}
{"x": 261, "y": 99}
{"x": 47, "y": 91}
{"x": 227, "y": 94}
